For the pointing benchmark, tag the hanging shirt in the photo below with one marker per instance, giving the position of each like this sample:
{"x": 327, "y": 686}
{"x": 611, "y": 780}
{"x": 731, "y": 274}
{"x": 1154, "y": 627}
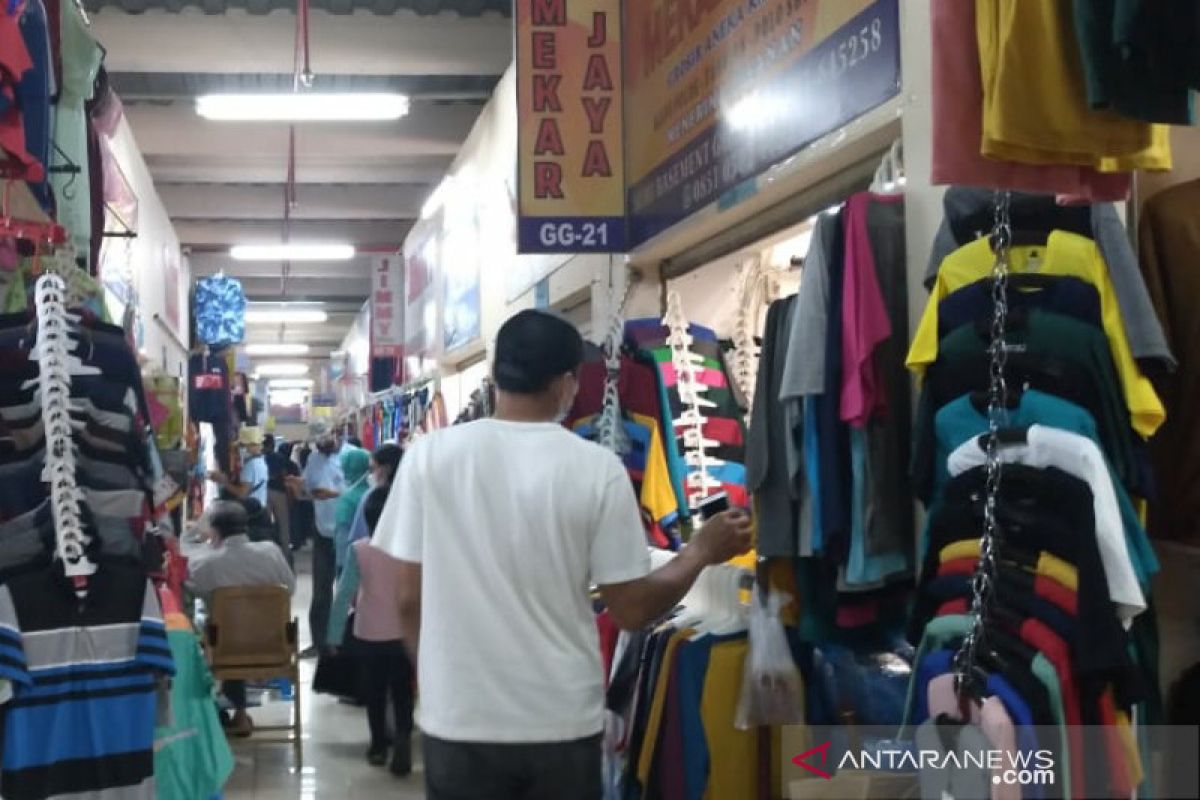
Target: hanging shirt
{"x": 865, "y": 321}
{"x": 1064, "y": 254}
{"x": 72, "y": 190}
{"x": 1034, "y": 100}
{"x": 63, "y": 659}
{"x": 804, "y": 364}
{"x": 220, "y": 310}
{"x": 1048, "y": 447}
{"x": 968, "y": 216}
{"x": 34, "y": 95}
{"x": 15, "y": 154}
{"x": 958, "y": 106}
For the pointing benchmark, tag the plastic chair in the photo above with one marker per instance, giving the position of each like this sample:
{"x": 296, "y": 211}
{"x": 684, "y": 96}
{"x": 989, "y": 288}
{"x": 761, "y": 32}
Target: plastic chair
{"x": 251, "y": 636}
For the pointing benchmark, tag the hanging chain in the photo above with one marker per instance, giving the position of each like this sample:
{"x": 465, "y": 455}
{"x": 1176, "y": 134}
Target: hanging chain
{"x": 610, "y": 429}
{"x": 983, "y": 582}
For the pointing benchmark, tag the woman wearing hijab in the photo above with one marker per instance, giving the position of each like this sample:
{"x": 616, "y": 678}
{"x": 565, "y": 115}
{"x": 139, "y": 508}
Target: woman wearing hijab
{"x": 356, "y": 465}
{"x": 384, "y": 463}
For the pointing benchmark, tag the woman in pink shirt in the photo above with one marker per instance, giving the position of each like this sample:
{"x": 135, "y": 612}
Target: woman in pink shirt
{"x": 370, "y": 578}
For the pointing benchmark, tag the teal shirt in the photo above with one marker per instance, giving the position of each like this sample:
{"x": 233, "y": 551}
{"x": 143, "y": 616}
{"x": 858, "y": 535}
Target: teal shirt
{"x": 192, "y": 758}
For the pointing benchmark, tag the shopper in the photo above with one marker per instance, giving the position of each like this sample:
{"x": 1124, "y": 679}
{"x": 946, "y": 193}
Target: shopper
{"x": 370, "y": 580}
{"x": 322, "y": 483}
{"x": 278, "y": 500}
{"x": 501, "y": 526}
{"x": 356, "y": 464}
{"x": 384, "y": 463}
{"x": 236, "y": 561}
{"x": 254, "y": 477}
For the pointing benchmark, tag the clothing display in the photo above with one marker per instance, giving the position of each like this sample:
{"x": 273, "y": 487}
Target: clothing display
{"x": 1067, "y": 590}
{"x": 220, "y": 310}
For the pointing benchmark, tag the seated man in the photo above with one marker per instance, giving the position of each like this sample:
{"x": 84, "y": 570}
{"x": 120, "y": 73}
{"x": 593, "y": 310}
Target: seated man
{"x": 236, "y": 561}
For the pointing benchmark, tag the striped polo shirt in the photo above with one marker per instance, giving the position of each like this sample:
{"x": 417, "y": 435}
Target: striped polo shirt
{"x": 81, "y": 682}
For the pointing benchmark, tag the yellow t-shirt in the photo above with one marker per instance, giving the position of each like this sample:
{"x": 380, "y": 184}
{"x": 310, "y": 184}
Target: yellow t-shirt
{"x": 733, "y": 754}
{"x": 1035, "y": 107}
{"x": 658, "y": 493}
{"x": 1065, "y": 254}
{"x": 657, "y": 496}
{"x": 1048, "y": 565}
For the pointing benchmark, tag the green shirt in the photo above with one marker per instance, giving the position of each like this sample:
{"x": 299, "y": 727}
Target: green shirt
{"x": 192, "y": 758}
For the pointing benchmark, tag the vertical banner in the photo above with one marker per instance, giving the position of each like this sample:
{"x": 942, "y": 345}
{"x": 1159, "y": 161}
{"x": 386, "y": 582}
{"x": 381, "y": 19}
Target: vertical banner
{"x": 716, "y": 96}
{"x": 387, "y": 306}
{"x": 571, "y": 161}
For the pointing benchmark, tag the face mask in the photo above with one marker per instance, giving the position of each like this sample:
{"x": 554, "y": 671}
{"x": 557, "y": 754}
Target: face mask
{"x": 373, "y": 481}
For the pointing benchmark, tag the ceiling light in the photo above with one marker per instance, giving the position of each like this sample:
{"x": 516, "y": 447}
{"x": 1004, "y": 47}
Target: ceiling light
{"x": 283, "y": 315}
{"x": 292, "y": 252}
{"x": 291, "y": 383}
{"x": 277, "y": 349}
{"x": 289, "y": 397}
{"x": 281, "y": 369}
{"x": 303, "y": 107}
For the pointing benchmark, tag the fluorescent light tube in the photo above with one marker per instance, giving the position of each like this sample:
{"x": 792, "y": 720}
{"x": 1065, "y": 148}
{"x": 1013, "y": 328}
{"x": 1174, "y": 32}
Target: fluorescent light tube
{"x": 303, "y": 107}
{"x": 291, "y": 383}
{"x": 292, "y": 252}
{"x": 277, "y": 349}
{"x": 285, "y": 316}
{"x": 281, "y": 369}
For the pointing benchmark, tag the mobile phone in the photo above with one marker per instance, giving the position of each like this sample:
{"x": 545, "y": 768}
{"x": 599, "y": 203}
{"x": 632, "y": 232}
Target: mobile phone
{"x": 716, "y": 504}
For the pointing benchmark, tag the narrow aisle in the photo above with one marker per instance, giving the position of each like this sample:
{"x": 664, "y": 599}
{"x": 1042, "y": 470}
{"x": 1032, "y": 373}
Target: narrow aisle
{"x": 335, "y": 741}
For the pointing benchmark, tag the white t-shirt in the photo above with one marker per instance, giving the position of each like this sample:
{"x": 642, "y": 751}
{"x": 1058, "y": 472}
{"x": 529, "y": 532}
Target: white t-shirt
{"x": 1078, "y": 456}
{"x": 512, "y": 523}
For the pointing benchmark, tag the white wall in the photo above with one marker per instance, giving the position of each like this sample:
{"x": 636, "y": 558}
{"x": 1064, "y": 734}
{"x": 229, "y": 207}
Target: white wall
{"x": 148, "y": 256}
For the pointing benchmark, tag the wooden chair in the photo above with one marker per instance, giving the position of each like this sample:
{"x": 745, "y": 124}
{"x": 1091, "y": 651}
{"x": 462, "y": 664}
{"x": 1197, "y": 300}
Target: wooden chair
{"x": 251, "y": 636}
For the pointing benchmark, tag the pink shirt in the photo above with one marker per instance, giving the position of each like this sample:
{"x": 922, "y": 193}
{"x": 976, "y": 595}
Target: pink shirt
{"x": 992, "y": 719}
{"x": 377, "y": 613}
{"x": 958, "y": 123}
{"x": 865, "y": 322}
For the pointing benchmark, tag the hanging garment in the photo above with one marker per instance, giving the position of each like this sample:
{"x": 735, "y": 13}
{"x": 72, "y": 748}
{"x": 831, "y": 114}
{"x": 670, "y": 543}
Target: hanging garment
{"x": 770, "y": 473}
{"x": 1170, "y": 247}
{"x": 34, "y": 95}
{"x": 72, "y": 188}
{"x": 1064, "y": 254}
{"x": 1034, "y": 100}
{"x": 958, "y": 107}
{"x": 18, "y": 158}
{"x": 1130, "y": 59}
{"x": 220, "y": 308}
{"x": 63, "y": 709}
{"x": 968, "y": 216}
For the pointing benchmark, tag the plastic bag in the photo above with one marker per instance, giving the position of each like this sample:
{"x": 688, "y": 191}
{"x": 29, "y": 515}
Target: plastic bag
{"x": 772, "y": 687}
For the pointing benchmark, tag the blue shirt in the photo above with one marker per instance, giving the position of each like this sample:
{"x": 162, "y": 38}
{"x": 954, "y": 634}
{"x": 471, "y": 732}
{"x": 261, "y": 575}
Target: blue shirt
{"x": 256, "y": 475}
{"x": 324, "y": 472}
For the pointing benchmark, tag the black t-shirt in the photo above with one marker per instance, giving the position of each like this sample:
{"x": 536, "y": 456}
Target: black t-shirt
{"x": 208, "y": 390}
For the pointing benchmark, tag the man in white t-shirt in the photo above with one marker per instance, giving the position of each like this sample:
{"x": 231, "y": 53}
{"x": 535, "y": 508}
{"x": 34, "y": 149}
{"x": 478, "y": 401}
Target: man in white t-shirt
{"x": 502, "y": 526}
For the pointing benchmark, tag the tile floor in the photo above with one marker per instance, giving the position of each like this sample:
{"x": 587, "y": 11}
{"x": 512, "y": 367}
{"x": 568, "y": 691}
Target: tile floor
{"x": 335, "y": 744}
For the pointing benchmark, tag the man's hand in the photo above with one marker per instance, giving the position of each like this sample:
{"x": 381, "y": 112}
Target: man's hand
{"x": 728, "y": 534}
{"x": 218, "y": 478}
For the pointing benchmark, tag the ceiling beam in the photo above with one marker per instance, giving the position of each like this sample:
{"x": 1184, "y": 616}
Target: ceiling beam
{"x": 362, "y": 43}
{"x": 365, "y": 234}
{"x": 353, "y": 169}
{"x": 184, "y": 85}
{"x": 313, "y": 202}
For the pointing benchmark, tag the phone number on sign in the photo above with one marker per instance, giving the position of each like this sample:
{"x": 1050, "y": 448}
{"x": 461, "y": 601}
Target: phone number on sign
{"x": 575, "y": 234}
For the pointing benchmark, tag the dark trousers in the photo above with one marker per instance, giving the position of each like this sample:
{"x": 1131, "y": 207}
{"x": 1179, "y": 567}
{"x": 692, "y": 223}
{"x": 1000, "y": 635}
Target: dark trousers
{"x": 324, "y": 567}
{"x": 386, "y": 671}
{"x": 478, "y": 771}
{"x": 280, "y": 505}
{"x": 235, "y": 693}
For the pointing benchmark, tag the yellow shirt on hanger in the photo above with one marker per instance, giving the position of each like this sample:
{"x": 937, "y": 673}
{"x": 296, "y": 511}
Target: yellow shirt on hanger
{"x": 1035, "y": 107}
{"x": 733, "y": 754}
{"x": 658, "y": 493}
{"x": 1065, "y": 254}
